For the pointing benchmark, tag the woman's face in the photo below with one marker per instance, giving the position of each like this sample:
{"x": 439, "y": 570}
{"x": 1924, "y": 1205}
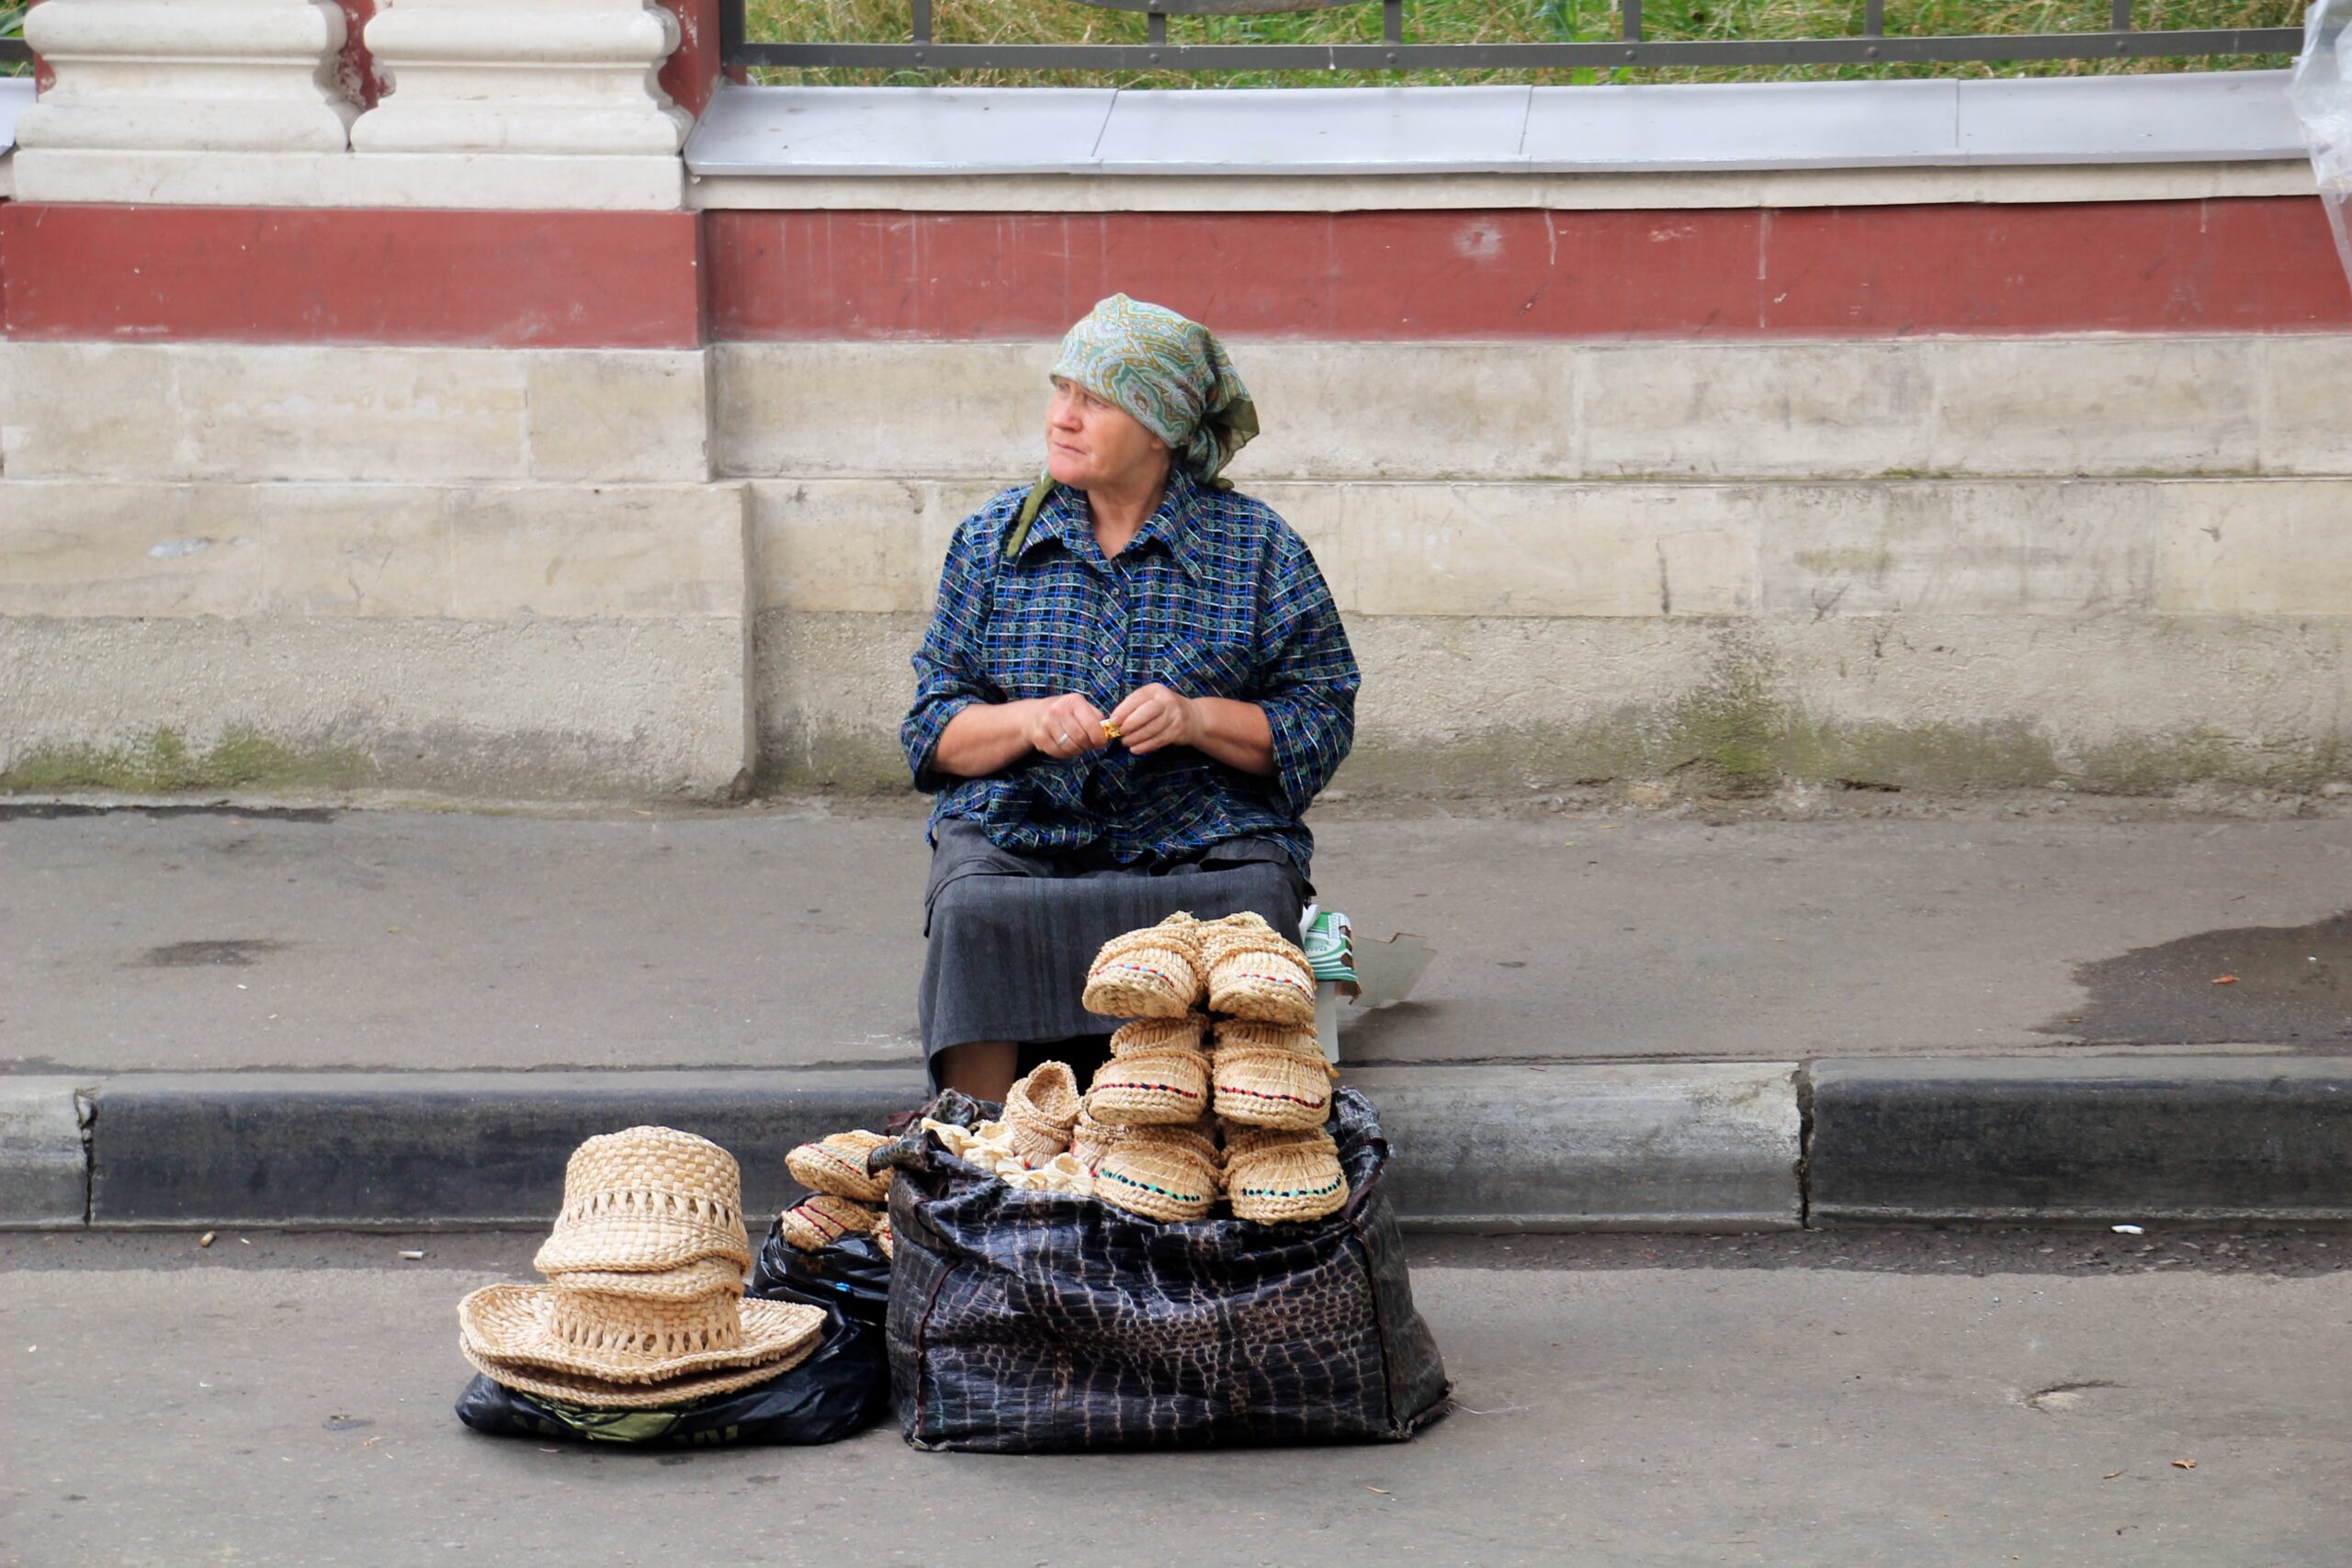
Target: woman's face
{"x": 1093, "y": 445}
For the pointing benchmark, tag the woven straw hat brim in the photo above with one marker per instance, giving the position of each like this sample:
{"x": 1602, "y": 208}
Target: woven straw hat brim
{"x": 509, "y": 1325}
{"x": 690, "y": 1283}
{"x": 593, "y": 1393}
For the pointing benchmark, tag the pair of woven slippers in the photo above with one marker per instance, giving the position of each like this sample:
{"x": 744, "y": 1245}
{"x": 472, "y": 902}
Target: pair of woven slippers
{"x": 1237, "y": 966}
{"x": 1162, "y": 1071}
{"x": 846, "y": 1199}
{"x": 1176, "y": 1173}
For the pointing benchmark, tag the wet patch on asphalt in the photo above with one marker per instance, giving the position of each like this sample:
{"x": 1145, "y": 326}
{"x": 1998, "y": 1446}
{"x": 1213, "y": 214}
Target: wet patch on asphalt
{"x": 2251, "y": 985}
{"x": 230, "y": 952}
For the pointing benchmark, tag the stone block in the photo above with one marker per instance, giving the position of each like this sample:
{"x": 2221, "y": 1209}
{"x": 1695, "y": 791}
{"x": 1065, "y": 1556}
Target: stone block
{"x": 867, "y": 411}
{"x": 2094, "y": 406}
{"x": 1805, "y": 411}
{"x": 520, "y": 707}
{"x": 848, "y": 546}
{"x": 616, "y": 416}
{"x": 2306, "y": 387}
{"x": 614, "y": 552}
{"x": 77, "y": 549}
{"x": 2257, "y": 547}
{"x": 1710, "y": 1147}
{"x": 2047, "y": 546}
{"x": 1542, "y": 549}
{"x": 44, "y": 1169}
{"x": 1410, "y": 410}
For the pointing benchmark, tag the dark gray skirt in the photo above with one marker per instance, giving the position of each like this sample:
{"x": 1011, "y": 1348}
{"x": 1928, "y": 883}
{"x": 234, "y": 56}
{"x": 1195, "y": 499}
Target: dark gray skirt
{"x": 1012, "y": 935}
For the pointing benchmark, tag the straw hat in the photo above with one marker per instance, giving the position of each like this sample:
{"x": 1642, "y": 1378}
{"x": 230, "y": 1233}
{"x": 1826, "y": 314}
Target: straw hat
{"x": 631, "y": 1340}
{"x": 1252, "y": 973}
{"x": 1189, "y": 1032}
{"x": 823, "y": 1220}
{"x": 1270, "y": 1075}
{"x": 837, "y": 1164}
{"x": 645, "y": 1200}
{"x": 1151, "y": 972}
{"x": 594, "y": 1393}
{"x": 1150, "y": 1086}
{"x": 1273, "y": 1177}
{"x": 1161, "y": 1174}
{"x": 1041, "y": 1109}
{"x": 688, "y": 1282}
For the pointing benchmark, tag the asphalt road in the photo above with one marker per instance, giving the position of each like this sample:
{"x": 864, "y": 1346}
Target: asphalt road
{"x": 781, "y": 936}
{"x": 1920, "y": 1398}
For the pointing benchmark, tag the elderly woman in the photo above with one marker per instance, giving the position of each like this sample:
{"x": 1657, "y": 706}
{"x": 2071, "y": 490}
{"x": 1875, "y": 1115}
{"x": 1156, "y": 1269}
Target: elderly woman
{"x": 1134, "y": 684}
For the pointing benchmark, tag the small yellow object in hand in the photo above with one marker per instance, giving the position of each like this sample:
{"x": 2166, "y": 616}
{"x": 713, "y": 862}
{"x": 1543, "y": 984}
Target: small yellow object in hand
{"x": 1110, "y": 730}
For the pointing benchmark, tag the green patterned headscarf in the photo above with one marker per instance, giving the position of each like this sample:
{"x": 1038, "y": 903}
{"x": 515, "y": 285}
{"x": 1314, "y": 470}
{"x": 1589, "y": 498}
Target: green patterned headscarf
{"x": 1169, "y": 372}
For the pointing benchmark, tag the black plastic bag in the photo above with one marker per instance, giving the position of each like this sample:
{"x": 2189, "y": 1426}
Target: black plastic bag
{"x": 852, "y": 1273}
{"x": 1027, "y": 1322}
{"x": 842, "y": 1388}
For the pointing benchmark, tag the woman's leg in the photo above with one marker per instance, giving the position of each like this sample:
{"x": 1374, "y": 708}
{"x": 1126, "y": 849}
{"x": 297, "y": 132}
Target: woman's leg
{"x": 982, "y": 1068}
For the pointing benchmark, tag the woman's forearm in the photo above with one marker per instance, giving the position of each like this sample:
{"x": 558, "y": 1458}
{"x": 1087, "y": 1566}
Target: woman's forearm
{"x": 985, "y": 738}
{"x": 1236, "y": 733}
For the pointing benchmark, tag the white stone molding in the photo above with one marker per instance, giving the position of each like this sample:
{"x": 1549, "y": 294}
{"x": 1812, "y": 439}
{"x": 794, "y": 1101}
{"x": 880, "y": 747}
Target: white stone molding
{"x": 172, "y": 76}
{"x": 552, "y": 77}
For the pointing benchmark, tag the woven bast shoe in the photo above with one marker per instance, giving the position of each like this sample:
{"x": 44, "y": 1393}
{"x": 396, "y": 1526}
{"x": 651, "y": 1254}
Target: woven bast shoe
{"x": 1252, "y": 973}
{"x": 1189, "y": 1032}
{"x": 1041, "y": 1109}
{"x": 1276, "y": 1177}
{"x": 1092, "y": 1138}
{"x": 885, "y": 1239}
{"x": 821, "y": 1221}
{"x": 837, "y": 1164}
{"x": 1160, "y": 1174}
{"x": 1151, "y": 972}
{"x": 646, "y": 1199}
{"x": 1149, "y": 1088}
{"x": 1266, "y": 1075}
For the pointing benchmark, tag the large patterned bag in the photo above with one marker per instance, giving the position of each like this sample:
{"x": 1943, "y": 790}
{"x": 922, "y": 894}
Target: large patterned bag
{"x": 1024, "y": 1322}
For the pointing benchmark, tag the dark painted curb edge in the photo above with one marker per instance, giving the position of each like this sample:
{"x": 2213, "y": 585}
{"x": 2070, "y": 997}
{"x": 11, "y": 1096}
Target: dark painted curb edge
{"x": 2213, "y": 1140}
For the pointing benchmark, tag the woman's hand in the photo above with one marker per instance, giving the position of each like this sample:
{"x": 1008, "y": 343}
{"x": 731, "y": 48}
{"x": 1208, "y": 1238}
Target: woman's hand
{"x": 1064, "y": 727}
{"x": 1154, "y": 717}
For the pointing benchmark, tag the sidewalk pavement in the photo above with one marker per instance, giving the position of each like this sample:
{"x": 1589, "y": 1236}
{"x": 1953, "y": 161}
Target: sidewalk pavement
{"x": 1641, "y": 1020}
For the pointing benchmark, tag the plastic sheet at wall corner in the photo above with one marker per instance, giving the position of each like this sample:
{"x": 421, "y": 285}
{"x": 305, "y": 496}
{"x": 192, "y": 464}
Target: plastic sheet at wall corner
{"x": 2321, "y": 93}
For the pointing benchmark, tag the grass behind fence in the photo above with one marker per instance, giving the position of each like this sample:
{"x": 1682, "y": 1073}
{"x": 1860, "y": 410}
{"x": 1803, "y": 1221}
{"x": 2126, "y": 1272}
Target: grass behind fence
{"x": 1495, "y": 21}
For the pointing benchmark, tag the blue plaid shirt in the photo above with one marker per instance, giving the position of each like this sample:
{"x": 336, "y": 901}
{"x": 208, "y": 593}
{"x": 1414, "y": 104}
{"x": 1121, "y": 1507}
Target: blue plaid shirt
{"x": 1216, "y": 597}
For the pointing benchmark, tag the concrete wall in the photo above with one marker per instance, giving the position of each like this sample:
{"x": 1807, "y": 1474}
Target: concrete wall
{"x": 1943, "y": 562}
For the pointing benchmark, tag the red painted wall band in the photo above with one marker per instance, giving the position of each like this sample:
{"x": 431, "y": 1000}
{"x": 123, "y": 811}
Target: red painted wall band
{"x": 638, "y": 280}
{"x": 237, "y": 275}
{"x": 2239, "y": 265}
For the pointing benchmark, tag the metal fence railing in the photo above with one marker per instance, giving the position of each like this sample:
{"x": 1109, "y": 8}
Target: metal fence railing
{"x": 924, "y": 52}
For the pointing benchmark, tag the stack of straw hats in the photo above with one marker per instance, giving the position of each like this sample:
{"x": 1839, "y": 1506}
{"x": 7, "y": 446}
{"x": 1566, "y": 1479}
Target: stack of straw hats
{"x": 847, "y": 1198}
{"x": 1151, "y": 1121}
{"x": 644, "y": 1308}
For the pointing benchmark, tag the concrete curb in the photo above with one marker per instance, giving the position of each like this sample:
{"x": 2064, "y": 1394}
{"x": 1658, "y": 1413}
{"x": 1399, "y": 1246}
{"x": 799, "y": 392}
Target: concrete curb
{"x": 1705, "y": 1147}
{"x": 2107, "y": 1139}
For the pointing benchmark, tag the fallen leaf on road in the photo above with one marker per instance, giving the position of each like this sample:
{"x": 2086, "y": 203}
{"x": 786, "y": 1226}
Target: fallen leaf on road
{"x": 2226, "y": 979}
{"x": 2184, "y": 1465}
{"x": 204, "y": 1240}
